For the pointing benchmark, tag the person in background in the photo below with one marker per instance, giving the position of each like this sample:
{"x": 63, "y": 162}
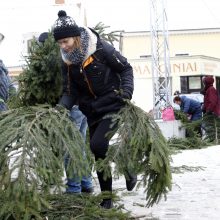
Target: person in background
{"x": 191, "y": 108}
{"x": 98, "y": 78}
{"x": 211, "y": 100}
{"x": 6, "y": 86}
{"x": 211, "y": 109}
{"x": 75, "y": 184}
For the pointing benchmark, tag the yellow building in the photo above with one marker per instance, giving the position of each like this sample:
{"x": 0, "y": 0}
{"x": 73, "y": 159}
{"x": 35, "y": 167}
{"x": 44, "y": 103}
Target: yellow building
{"x": 193, "y": 54}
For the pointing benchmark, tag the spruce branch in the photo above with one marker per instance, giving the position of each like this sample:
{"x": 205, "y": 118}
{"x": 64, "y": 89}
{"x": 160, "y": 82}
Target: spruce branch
{"x": 111, "y": 36}
{"x": 41, "y": 80}
{"x": 140, "y": 147}
{"x": 33, "y": 146}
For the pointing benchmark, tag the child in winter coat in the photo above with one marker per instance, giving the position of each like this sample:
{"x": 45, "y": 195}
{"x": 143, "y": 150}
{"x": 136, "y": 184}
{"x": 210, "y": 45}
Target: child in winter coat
{"x": 98, "y": 78}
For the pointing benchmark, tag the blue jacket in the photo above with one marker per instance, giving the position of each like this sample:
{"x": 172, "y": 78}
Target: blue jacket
{"x": 4, "y": 85}
{"x": 192, "y": 107}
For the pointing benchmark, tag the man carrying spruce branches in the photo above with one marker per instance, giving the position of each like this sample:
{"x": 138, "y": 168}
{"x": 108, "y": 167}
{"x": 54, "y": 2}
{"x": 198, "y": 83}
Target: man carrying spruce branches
{"x": 100, "y": 79}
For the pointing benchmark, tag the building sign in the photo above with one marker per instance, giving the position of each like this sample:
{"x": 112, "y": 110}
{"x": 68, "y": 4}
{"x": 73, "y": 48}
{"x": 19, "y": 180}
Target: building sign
{"x": 143, "y": 69}
{"x": 187, "y": 67}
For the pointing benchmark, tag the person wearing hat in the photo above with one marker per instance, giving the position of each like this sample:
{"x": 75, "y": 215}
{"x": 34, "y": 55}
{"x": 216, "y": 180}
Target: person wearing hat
{"x": 99, "y": 79}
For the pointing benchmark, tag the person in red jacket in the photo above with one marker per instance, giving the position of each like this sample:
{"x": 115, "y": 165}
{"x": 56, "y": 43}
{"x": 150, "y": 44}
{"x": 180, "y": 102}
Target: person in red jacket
{"x": 211, "y": 107}
{"x": 211, "y": 99}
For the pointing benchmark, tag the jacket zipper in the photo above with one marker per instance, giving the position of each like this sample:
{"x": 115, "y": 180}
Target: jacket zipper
{"x": 88, "y": 83}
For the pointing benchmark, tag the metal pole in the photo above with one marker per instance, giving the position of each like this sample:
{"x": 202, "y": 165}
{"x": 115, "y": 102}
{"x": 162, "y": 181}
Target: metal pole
{"x": 160, "y": 57}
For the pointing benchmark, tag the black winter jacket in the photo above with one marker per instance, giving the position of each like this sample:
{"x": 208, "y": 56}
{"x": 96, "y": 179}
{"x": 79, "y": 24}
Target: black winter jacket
{"x": 100, "y": 84}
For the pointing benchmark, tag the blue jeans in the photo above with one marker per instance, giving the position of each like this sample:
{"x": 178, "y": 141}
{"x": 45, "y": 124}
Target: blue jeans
{"x": 75, "y": 184}
{"x": 2, "y": 106}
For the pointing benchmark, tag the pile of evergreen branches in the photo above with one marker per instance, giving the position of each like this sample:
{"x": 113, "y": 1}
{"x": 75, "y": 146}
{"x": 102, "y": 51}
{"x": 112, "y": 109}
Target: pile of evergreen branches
{"x": 210, "y": 132}
{"x": 66, "y": 207}
{"x": 193, "y": 139}
{"x": 34, "y": 142}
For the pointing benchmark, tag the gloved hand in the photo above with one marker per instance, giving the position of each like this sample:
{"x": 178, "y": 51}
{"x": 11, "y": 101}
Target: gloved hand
{"x": 122, "y": 95}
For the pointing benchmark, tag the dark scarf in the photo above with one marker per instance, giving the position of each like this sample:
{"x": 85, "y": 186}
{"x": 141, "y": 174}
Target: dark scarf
{"x": 77, "y": 56}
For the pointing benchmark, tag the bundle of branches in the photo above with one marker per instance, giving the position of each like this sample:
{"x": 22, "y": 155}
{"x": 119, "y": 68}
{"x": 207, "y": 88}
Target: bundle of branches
{"x": 34, "y": 142}
{"x": 41, "y": 80}
{"x": 193, "y": 138}
{"x": 196, "y": 142}
{"x": 179, "y": 115}
{"x": 139, "y": 147}
{"x": 211, "y": 126}
{"x": 83, "y": 206}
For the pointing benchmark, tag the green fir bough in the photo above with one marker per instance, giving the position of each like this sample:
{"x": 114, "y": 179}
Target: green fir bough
{"x": 139, "y": 147}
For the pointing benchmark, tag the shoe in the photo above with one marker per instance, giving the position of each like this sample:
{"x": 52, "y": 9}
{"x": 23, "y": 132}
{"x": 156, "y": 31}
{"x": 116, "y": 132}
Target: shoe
{"x": 88, "y": 190}
{"x": 131, "y": 182}
{"x": 106, "y": 204}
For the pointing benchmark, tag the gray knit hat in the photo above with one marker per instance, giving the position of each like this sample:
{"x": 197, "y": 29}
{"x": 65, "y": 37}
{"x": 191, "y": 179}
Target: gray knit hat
{"x": 65, "y": 27}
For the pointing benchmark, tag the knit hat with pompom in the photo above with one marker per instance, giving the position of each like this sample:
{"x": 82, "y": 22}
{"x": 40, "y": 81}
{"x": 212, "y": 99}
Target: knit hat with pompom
{"x": 65, "y": 27}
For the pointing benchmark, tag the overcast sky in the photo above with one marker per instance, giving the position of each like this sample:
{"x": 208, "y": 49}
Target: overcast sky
{"x": 21, "y": 16}
{"x": 135, "y": 15}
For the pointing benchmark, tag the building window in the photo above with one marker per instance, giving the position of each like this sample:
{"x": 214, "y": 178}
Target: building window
{"x": 184, "y": 84}
{"x": 191, "y": 84}
{"x": 194, "y": 82}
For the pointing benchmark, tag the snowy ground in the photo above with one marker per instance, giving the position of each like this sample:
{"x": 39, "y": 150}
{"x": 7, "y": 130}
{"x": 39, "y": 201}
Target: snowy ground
{"x": 195, "y": 194}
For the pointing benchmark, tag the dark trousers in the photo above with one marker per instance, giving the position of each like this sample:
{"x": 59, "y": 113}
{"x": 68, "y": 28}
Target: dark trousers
{"x": 99, "y": 146}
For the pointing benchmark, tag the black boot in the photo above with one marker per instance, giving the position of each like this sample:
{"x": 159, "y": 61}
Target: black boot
{"x": 87, "y": 190}
{"x": 106, "y": 204}
{"x": 131, "y": 181}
